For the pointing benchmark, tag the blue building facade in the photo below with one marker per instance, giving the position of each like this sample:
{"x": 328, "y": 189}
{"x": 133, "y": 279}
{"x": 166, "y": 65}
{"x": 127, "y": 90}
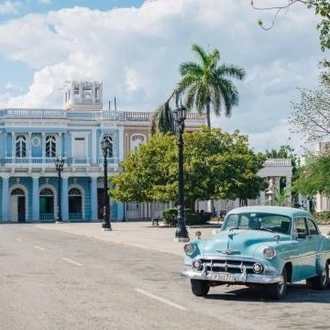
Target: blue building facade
{"x": 31, "y": 140}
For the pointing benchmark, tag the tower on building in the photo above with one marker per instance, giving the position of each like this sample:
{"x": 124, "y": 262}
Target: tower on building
{"x": 83, "y": 95}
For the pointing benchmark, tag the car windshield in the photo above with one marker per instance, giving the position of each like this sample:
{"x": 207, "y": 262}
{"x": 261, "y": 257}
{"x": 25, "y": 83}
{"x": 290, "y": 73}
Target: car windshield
{"x": 258, "y": 221}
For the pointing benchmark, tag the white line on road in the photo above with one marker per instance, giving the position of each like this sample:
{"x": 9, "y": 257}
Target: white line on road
{"x": 165, "y": 301}
{"x": 39, "y": 247}
{"x": 72, "y": 261}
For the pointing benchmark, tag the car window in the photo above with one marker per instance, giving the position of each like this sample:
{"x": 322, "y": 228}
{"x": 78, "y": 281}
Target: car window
{"x": 258, "y": 221}
{"x": 312, "y": 228}
{"x": 237, "y": 221}
{"x": 300, "y": 227}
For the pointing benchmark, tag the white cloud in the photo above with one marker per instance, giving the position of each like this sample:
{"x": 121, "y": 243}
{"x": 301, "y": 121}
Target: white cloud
{"x": 137, "y": 53}
{"x": 9, "y": 7}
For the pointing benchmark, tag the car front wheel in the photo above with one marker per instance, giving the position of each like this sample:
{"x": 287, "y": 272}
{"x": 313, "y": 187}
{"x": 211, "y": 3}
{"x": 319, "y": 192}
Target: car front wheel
{"x": 278, "y": 291}
{"x": 321, "y": 281}
{"x": 200, "y": 288}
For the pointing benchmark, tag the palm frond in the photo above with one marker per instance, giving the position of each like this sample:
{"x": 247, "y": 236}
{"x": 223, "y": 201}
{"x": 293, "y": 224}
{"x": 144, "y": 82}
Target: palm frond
{"x": 205, "y": 83}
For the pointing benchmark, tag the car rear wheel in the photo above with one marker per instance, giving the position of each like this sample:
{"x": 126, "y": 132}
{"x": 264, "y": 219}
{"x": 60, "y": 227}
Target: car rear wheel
{"x": 321, "y": 281}
{"x": 200, "y": 288}
{"x": 278, "y": 291}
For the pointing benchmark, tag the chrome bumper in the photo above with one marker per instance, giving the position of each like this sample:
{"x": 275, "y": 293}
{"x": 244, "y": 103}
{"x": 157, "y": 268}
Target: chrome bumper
{"x": 238, "y": 278}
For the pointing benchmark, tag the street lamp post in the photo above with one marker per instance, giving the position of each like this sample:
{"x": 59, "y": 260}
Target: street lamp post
{"x": 181, "y": 233}
{"x": 106, "y": 148}
{"x": 59, "y": 163}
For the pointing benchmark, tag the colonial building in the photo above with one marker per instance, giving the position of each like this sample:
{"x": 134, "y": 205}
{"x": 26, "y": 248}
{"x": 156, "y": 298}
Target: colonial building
{"x": 31, "y": 140}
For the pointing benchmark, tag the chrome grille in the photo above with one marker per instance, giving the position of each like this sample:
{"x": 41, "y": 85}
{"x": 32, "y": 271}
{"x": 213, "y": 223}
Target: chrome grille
{"x": 228, "y": 265}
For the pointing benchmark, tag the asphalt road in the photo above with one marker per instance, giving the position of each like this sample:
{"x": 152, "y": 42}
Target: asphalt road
{"x": 52, "y": 280}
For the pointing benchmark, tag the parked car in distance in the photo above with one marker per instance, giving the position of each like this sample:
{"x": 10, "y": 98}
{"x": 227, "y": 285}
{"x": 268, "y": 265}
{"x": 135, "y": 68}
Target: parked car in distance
{"x": 269, "y": 246}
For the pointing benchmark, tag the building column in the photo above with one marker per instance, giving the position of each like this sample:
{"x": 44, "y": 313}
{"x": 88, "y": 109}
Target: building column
{"x": 121, "y": 144}
{"x": 277, "y": 180}
{"x": 5, "y": 199}
{"x": 65, "y": 198}
{"x": 35, "y": 199}
{"x": 43, "y": 149}
{"x": 60, "y": 145}
{"x": 94, "y": 201}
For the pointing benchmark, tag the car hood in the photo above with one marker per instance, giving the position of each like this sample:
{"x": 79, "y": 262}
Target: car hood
{"x": 236, "y": 242}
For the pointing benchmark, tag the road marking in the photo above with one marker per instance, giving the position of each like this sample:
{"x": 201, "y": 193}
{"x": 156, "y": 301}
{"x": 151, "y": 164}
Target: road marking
{"x": 72, "y": 261}
{"x": 165, "y": 301}
{"x": 39, "y": 247}
{"x": 18, "y": 239}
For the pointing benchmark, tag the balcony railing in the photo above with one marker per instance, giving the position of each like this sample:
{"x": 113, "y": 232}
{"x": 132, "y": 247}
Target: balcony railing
{"x": 50, "y": 162}
{"x": 88, "y": 114}
{"x": 278, "y": 162}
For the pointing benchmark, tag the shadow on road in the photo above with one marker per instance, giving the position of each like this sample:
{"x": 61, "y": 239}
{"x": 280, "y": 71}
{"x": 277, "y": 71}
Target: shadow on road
{"x": 296, "y": 293}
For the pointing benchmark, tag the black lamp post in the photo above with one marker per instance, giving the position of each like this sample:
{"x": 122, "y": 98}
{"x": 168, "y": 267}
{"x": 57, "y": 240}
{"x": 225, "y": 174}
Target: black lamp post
{"x": 106, "y": 148}
{"x": 59, "y": 163}
{"x": 181, "y": 233}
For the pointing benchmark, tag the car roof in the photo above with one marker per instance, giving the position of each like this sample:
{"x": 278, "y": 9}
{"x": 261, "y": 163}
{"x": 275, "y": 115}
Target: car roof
{"x": 284, "y": 210}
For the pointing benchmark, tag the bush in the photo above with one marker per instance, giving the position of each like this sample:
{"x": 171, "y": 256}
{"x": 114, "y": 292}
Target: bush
{"x": 169, "y": 217}
{"x": 323, "y": 217}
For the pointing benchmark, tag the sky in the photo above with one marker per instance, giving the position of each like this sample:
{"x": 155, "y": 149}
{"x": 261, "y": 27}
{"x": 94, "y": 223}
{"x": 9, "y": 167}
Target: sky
{"x": 136, "y": 47}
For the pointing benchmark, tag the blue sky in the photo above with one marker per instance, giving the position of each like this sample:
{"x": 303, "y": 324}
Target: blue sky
{"x": 11, "y": 9}
{"x": 136, "y": 47}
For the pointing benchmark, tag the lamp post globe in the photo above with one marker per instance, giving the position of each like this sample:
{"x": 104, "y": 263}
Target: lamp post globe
{"x": 59, "y": 164}
{"x": 106, "y": 147}
{"x": 181, "y": 233}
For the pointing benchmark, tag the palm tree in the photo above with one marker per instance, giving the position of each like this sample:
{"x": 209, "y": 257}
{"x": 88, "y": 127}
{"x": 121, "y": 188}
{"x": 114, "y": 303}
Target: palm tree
{"x": 162, "y": 119}
{"x": 206, "y": 83}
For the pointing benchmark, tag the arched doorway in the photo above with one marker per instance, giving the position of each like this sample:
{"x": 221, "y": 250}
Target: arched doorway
{"x": 75, "y": 204}
{"x": 46, "y": 205}
{"x": 17, "y": 203}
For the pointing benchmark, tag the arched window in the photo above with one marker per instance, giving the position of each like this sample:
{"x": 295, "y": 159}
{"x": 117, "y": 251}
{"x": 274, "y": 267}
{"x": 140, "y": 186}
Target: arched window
{"x": 136, "y": 139}
{"x": 50, "y": 144}
{"x": 20, "y": 146}
{"x": 18, "y": 191}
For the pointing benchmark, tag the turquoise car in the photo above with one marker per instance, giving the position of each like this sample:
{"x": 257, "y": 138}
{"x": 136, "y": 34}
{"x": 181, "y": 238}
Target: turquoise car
{"x": 268, "y": 246}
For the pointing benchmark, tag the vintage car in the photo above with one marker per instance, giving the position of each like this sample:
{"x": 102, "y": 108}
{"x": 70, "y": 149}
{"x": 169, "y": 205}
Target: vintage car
{"x": 260, "y": 245}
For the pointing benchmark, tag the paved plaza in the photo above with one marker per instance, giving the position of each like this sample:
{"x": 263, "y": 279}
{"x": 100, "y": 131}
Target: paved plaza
{"x": 140, "y": 234}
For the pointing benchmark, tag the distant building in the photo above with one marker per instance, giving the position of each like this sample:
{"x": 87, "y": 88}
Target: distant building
{"x": 275, "y": 170}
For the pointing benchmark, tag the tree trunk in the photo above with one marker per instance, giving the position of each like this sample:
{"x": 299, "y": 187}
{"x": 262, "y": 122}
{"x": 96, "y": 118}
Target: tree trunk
{"x": 208, "y": 115}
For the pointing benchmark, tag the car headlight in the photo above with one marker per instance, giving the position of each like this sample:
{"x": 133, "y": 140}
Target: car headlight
{"x": 197, "y": 264}
{"x": 257, "y": 268}
{"x": 269, "y": 252}
{"x": 189, "y": 248}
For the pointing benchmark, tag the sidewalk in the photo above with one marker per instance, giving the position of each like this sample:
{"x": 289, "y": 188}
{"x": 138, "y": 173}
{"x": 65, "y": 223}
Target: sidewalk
{"x": 138, "y": 234}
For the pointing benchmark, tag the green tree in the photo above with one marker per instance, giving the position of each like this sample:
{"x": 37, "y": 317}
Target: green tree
{"x": 321, "y": 8}
{"x": 206, "y": 83}
{"x": 312, "y": 177}
{"x": 149, "y": 173}
{"x": 216, "y": 165}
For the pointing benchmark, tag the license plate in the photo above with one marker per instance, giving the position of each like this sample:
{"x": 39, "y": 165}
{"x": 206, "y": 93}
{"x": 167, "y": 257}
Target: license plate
{"x": 222, "y": 277}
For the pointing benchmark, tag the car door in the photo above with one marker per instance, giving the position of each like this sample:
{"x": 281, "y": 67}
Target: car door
{"x": 307, "y": 239}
